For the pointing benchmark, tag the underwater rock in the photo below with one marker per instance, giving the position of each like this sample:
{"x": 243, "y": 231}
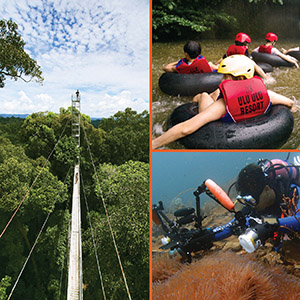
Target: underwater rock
{"x": 291, "y": 250}
{"x": 232, "y": 244}
{"x": 223, "y": 276}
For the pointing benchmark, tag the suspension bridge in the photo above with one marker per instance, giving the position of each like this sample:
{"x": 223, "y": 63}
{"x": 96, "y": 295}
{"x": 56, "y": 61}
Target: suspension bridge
{"x": 75, "y": 274}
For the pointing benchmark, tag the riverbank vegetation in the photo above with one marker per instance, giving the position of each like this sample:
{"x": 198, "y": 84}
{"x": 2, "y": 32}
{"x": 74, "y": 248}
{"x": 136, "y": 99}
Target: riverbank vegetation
{"x": 119, "y": 147}
{"x": 221, "y": 19}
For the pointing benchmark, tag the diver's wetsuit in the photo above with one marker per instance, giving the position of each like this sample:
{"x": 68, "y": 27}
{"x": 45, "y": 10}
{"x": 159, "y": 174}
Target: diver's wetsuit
{"x": 284, "y": 179}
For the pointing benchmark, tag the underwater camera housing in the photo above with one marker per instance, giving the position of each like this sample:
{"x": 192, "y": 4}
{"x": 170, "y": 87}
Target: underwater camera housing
{"x": 252, "y": 232}
{"x": 185, "y": 240}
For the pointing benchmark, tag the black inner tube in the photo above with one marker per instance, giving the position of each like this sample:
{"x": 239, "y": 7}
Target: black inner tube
{"x": 175, "y": 84}
{"x": 189, "y": 84}
{"x": 267, "y": 68}
{"x": 268, "y": 131}
{"x": 295, "y": 54}
{"x": 273, "y": 60}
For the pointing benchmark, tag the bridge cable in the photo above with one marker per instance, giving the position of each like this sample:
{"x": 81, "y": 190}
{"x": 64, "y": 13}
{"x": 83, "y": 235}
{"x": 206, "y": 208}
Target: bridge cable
{"x": 36, "y": 240}
{"x": 33, "y": 183}
{"x": 93, "y": 238}
{"x": 107, "y": 216}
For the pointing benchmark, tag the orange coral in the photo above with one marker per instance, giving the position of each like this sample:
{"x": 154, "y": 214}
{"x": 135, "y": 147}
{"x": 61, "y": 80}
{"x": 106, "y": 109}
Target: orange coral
{"x": 291, "y": 209}
{"x": 291, "y": 205}
{"x": 287, "y": 285}
{"x": 164, "y": 267}
{"x": 224, "y": 276}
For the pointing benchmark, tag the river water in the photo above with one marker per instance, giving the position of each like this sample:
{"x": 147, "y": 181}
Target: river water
{"x": 285, "y": 81}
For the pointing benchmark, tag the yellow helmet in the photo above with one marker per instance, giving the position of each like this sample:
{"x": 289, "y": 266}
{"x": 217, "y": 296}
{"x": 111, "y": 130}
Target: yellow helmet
{"x": 237, "y": 65}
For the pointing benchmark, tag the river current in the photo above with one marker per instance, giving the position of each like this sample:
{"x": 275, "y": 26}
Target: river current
{"x": 284, "y": 81}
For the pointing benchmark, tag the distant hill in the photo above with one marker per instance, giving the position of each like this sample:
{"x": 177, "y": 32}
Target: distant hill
{"x": 95, "y": 122}
{"x": 21, "y": 116}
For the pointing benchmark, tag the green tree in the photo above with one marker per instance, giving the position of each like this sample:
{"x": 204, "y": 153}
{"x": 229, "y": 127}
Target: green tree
{"x": 4, "y": 284}
{"x": 17, "y": 172}
{"x": 40, "y": 132}
{"x": 125, "y": 189}
{"x": 184, "y": 19}
{"x": 177, "y": 20}
{"x": 126, "y": 137}
{"x": 14, "y": 61}
{"x": 9, "y": 128}
{"x": 66, "y": 153}
{"x": 122, "y": 137}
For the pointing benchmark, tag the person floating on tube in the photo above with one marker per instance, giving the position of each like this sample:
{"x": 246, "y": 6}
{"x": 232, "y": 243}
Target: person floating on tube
{"x": 268, "y": 47}
{"x": 231, "y": 102}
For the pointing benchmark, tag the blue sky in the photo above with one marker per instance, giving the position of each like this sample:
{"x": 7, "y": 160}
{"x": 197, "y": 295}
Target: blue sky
{"x": 100, "y": 47}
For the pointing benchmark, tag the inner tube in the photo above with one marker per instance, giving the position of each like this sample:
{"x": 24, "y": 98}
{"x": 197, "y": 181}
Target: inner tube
{"x": 273, "y": 60}
{"x": 175, "y": 84}
{"x": 295, "y": 54}
{"x": 267, "y": 68}
{"x": 268, "y": 131}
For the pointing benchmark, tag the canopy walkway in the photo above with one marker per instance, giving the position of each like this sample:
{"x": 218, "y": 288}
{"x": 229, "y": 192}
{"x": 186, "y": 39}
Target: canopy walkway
{"x": 75, "y": 276}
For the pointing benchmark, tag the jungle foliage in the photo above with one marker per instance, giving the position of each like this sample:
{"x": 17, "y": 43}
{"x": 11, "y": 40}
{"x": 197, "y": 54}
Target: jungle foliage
{"x": 182, "y": 20}
{"x": 170, "y": 18}
{"x": 124, "y": 182}
{"x": 15, "y": 63}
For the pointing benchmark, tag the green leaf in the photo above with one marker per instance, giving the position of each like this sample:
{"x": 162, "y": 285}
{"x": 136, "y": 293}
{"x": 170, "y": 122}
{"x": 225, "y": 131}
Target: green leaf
{"x": 15, "y": 63}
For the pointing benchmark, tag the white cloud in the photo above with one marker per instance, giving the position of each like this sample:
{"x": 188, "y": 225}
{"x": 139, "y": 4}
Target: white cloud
{"x": 110, "y": 104}
{"x": 44, "y": 98}
{"x": 100, "y": 48}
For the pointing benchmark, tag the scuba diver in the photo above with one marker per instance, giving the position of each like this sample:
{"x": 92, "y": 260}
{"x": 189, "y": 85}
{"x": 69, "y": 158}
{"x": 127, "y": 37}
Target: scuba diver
{"x": 266, "y": 183}
{"x": 269, "y": 193}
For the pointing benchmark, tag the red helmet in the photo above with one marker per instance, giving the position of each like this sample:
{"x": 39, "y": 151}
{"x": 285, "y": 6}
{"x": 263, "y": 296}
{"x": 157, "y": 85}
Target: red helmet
{"x": 271, "y": 37}
{"x": 242, "y": 38}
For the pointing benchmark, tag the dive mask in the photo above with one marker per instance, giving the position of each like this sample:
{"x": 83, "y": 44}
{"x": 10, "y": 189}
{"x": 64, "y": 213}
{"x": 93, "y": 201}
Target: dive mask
{"x": 247, "y": 200}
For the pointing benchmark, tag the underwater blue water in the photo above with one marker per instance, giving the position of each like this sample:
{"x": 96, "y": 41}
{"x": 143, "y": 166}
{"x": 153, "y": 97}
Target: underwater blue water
{"x": 176, "y": 172}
